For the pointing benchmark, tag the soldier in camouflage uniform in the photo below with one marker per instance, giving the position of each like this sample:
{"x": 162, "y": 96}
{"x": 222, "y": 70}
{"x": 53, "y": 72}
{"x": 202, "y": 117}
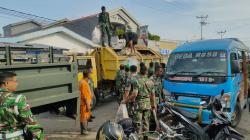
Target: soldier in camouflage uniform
{"x": 105, "y": 25}
{"x": 120, "y": 82}
{"x": 127, "y": 75}
{"x": 131, "y": 87}
{"x": 151, "y": 69}
{"x": 163, "y": 66}
{"x": 91, "y": 86}
{"x": 151, "y": 75}
{"x": 126, "y": 78}
{"x": 144, "y": 100}
{"x": 16, "y": 119}
{"x": 157, "y": 79}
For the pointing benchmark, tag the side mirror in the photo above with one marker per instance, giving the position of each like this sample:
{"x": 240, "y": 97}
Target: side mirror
{"x": 235, "y": 67}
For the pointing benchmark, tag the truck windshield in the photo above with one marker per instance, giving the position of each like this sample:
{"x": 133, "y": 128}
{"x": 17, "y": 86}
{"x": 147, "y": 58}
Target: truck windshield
{"x": 212, "y": 63}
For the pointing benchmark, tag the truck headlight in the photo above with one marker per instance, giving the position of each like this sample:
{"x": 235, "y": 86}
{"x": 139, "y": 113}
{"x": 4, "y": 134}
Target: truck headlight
{"x": 168, "y": 95}
{"x": 226, "y": 100}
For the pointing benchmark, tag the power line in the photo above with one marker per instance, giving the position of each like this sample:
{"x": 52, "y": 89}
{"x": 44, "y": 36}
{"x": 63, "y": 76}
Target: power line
{"x": 174, "y": 4}
{"x": 23, "y": 15}
{"x": 231, "y": 20}
{"x": 178, "y": 3}
{"x": 8, "y": 17}
{"x": 243, "y": 25}
{"x": 202, "y": 22}
{"x": 160, "y": 9}
{"x": 221, "y": 33}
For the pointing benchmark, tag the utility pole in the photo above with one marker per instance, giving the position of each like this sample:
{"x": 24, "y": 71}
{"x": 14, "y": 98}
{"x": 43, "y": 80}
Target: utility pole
{"x": 221, "y": 33}
{"x": 203, "y": 22}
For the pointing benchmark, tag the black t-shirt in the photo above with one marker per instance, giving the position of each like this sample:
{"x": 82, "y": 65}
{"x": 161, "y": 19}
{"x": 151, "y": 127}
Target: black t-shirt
{"x": 131, "y": 36}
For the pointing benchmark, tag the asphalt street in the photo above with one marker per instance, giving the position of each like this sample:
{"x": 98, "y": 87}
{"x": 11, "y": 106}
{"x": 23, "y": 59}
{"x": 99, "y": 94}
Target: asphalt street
{"x": 59, "y": 127}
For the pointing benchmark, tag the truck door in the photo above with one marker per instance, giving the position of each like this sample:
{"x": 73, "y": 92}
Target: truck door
{"x": 245, "y": 73}
{"x": 83, "y": 64}
{"x": 237, "y": 77}
{"x": 241, "y": 80}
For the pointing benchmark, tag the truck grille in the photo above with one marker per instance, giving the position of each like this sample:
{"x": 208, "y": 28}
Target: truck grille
{"x": 203, "y": 97}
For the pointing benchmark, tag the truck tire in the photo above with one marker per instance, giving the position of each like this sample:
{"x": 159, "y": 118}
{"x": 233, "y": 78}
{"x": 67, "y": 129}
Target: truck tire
{"x": 236, "y": 117}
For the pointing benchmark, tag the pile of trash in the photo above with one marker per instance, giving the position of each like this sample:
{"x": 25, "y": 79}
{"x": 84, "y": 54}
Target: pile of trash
{"x": 124, "y": 51}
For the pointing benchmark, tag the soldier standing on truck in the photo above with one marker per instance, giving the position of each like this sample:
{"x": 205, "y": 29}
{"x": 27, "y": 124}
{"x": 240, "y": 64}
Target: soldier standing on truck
{"x": 16, "y": 119}
{"x": 119, "y": 82}
{"x": 105, "y": 25}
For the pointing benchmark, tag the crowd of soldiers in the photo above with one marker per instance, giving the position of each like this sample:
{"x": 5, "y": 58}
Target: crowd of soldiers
{"x": 141, "y": 92}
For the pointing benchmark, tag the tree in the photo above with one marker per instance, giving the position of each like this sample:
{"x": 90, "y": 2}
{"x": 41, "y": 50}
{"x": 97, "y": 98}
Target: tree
{"x": 153, "y": 37}
{"x": 120, "y": 33}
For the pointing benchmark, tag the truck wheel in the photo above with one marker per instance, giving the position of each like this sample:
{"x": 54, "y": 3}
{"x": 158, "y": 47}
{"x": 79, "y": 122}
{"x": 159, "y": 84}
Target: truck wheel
{"x": 236, "y": 117}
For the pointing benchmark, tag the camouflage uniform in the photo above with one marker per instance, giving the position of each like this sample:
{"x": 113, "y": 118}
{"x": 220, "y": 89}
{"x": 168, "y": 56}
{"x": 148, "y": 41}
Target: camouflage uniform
{"x": 127, "y": 77}
{"x": 131, "y": 86}
{"x": 151, "y": 71}
{"x": 16, "y": 117}
{"x": 91, "y": 83}
{"x": 91, "y": 86}
{"x": 163, "y": 74}
{"x": 143, "y": 104}
{"x": 120, "y": 83}
{"x": 105, "y": 26}
{"x": 158, "y": 88}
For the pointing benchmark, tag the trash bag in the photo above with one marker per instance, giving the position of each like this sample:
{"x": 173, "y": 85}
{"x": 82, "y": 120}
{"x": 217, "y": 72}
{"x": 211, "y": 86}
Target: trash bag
{"x": 122, "y": 113}
{"x": 125, "y": 51}
{"x": 133, "y": 61}
{"x": 96, "y": 35}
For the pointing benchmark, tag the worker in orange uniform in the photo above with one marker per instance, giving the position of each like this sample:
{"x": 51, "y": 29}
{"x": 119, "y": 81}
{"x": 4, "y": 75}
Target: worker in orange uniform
{"x": 85, "y": 109}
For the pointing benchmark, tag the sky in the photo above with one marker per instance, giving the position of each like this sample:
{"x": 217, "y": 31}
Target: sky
{"x": 171, "y": 19}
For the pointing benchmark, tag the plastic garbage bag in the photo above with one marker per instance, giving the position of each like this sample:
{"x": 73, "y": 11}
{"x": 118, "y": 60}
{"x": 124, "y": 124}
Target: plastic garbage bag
{"x": 96, "y": 35}
{"x": 122, "y": 113}
{"x": 133, "y": 61}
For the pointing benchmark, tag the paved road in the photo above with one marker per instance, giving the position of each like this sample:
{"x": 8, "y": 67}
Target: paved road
{"x": 63, "y": 128}
{"x": 244, "y": 126}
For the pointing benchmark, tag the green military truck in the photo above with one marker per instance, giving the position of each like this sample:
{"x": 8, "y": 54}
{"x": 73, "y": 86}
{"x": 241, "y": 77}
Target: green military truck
{"x": 45, "y": 76}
